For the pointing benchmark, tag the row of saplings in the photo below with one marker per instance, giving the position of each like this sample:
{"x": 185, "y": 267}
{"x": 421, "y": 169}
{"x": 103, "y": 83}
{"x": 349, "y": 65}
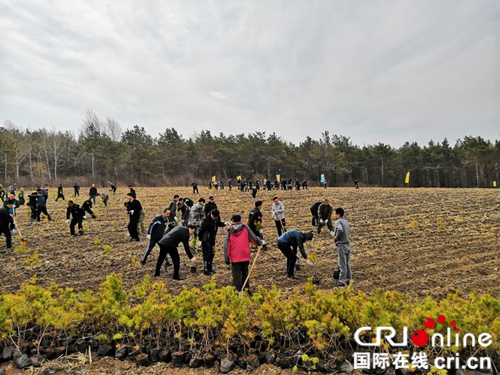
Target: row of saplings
{"x": 184, "y": 353}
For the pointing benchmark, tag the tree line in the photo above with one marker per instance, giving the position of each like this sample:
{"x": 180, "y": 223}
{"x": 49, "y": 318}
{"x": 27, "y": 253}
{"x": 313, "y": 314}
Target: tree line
{"x": 101, "y": 152}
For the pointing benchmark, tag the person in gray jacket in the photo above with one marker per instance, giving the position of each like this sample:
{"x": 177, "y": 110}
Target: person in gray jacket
{"x": 278, "y": 212}
{"x": 341, "y": 234}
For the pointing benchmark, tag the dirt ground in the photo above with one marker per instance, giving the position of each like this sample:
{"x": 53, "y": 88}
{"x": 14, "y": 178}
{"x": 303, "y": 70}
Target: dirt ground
{"x": 417, "y": 241}
{"x": 110, "y": 366}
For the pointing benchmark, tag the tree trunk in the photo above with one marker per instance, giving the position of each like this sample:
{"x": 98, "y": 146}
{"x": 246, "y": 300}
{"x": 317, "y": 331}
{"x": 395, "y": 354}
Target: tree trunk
{"x": 477, "y": 174}
{"x": 93, "y": 174}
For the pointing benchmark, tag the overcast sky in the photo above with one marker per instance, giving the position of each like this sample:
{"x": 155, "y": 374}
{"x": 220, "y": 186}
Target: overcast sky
{"x": 376, "y": 71}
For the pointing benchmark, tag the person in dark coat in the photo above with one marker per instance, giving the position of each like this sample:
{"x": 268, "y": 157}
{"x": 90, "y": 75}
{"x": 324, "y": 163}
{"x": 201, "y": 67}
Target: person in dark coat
{"x": 77, "y": 214}
{"x": 60, "y": 193}
{"x": 32, "y": 199}
{"x": 87, "y": 207}
{"x": 185, "y": 210}
{"x": 76, "y": 189}
{"x": 173, "y": 209}
{"x": 6, "y": 221}
{"x": 288, "y": 244}
{"x": 210, "y": 206}
{"x": 194, "y": 184}
{"x": 132, "y": 191}
{"x": 41, "y": 206}
{"x": 255, "y": 219}
{"x": 314, "y": 212}
{"x": 93, "y": 193}
{"x": 22, "y": 200}
{"x": 207, "y": 235}
{"x": 156, "y": 230}
{"x": 168, "y": 245}
{"x": 325, "y": 211}
{"x": 113, "y": 189}
{"x": 134, "y": 209}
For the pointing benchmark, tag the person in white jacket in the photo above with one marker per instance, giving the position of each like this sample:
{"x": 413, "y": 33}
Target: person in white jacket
{"x": 278, "y": 212}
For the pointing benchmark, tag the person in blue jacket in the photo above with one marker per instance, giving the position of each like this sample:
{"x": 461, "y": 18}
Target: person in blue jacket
{"x": 288, "y": 244}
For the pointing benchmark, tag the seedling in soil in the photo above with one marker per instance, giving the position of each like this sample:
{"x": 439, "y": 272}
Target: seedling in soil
{"x": 22, "y": 249}
{"x": 97, "y": 242}
{"x": 33, "y": 260}
{"x": 108, "y": 249}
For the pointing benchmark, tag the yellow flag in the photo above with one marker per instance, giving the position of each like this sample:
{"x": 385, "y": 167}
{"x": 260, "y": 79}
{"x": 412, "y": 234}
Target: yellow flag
{"x": 238, "y": 178}
{"x": 278, "y": 178}
{"x": 407, "y": 179}
{"x": 213, "y": 179}
{"x": 494, "y": 184}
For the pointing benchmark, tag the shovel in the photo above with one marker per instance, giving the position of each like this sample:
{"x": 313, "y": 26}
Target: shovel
{"x": 250, "y": 272}
{"x": 23, "y": 241}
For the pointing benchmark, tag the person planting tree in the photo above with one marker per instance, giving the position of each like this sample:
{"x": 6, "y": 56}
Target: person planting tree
{"x": 168, "y": 245}
{"x": 237, "y": 250}
{"x": 288, "y": 244}
{"x": 156, "y": 230}
{"x": 325, "y": 211}
{"x": 278, "y": 212}
{"x": 341, "y": 237}
{"x": 87, "y": 207}
{"x": 134, "y": 209}
{"x": 314, "y": 212}
{"x": 77, "y": 214}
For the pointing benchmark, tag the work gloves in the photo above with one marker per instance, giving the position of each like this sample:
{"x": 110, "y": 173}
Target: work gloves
{"x": 131, "y": 212}
{"x": 309, "y": 262}
{"x": 85, "y": 218}
{"x": 67, "y": 221}
{"x": 193, "y": 259}
{"x": 148, "y": 236}
{"x": 332, "y": 234}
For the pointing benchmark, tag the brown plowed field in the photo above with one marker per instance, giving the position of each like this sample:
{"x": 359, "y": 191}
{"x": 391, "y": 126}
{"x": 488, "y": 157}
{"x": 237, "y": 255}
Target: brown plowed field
{"x": 417, "y": 241}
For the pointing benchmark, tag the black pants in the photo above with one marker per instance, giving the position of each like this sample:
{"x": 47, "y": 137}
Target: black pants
{"x": 132, "y": 229}
{"x": 93, "y": 197}
{"x": 208, "y": 253}
{"x": 240, "y": 273}
{"x": 315, "y": 221}
{"x": 33, "y": 212}
{"x": 230, "y": 187}
{"x": 291, "y": 257}
{"x": 152, "y": 243}
{"x": 195, "y": 189}
{"x": 74, "y": 222}
{"x": 42, "y": 210}
{"x": 254, "y": 193}
{"x": 8, "y": 237}
{"x": 77, "y": 193}
{"x": 174, "y": 254}
{"x": 60, "y": 196}
{"x": 280, "y": 226}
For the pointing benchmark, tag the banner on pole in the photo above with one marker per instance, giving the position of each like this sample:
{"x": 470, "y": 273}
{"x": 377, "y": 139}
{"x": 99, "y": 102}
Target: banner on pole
{"x": 407, "y": 179}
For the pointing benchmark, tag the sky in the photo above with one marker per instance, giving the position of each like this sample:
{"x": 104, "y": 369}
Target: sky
{"x": 375, "y": 71}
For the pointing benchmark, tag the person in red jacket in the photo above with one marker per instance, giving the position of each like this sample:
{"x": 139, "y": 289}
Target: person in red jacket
{"x": 237, "y": 250}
